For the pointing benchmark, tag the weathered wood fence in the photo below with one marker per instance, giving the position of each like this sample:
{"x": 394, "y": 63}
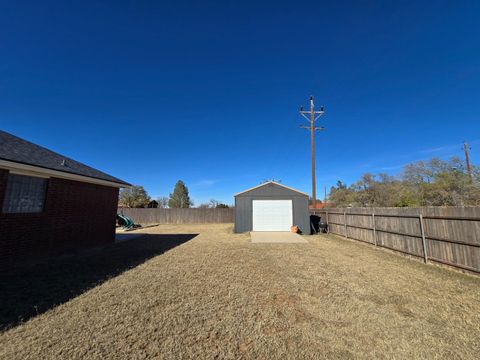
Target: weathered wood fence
{"x": 179, "y": 216}
{"x": 449, "y": 236}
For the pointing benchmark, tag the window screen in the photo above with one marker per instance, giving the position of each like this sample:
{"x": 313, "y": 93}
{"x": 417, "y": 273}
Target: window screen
{"x": 24, "y": 194}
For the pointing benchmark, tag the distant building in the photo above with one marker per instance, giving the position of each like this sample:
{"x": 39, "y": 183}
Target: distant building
{"x": 319, "y": 205}
{"x": 153, "y": 204}
{"x": 50, "y": 204}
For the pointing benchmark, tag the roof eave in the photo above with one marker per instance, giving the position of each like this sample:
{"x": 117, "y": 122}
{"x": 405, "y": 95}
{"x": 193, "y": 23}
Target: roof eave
{"x": 28, "y": 169}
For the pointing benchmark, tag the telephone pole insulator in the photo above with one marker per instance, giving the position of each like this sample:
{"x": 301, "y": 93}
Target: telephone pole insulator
{"x": 313, "y": 116}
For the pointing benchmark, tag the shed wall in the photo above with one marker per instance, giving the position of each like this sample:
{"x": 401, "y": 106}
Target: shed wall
{"x": 244, "y": 211}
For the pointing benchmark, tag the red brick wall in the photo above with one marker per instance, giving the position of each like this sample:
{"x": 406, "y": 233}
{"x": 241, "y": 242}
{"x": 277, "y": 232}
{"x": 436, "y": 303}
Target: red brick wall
{"x": 76, "y": 215}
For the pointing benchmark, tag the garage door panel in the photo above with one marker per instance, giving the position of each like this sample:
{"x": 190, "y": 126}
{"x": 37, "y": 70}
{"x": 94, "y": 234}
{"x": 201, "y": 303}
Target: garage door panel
{"x": 272, "y": 215}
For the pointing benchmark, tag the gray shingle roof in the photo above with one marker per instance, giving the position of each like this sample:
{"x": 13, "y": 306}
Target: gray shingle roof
{"x": 15, "y": 149}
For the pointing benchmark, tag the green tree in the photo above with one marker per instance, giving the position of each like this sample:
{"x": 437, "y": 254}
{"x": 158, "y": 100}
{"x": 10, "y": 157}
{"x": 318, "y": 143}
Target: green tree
{"x": 134, "y": 197}
{"x": 442, "y": 183}
{"x": 341, "y": 185}
{"x": 424, "y": 183}
{"x": 341, "y": 195}
{"x": 179, "y": 198}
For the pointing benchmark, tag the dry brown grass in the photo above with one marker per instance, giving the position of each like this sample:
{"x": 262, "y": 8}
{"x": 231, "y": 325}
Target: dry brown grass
{"x": 219, "y": 296}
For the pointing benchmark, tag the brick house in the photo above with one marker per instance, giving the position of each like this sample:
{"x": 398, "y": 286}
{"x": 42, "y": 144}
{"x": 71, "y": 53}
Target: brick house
{"x": 51, "y": 204}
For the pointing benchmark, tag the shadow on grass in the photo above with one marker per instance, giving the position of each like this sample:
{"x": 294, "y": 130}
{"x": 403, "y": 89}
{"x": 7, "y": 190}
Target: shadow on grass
{"x": 32, "y": 290}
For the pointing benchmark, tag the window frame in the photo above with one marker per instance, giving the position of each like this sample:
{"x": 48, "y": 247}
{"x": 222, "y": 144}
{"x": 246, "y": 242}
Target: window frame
{"x": 30, "y": 211}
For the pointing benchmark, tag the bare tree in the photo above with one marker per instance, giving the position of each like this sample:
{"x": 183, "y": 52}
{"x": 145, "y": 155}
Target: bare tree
{"x": 424, "y": 183}
{"x": 162, "y": 202}
{"x": 214, "y": 203}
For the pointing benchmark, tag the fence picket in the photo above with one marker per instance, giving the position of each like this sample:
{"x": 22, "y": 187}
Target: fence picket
{"x": 179, "y": 216}
{"x": 444, "y": 235}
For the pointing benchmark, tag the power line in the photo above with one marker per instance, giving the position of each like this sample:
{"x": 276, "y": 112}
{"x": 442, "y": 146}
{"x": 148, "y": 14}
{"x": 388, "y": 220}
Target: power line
{"x": 314, "y": 115}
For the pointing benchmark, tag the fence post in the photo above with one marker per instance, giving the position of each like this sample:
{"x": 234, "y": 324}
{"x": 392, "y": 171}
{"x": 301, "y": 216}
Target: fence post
{"x": 374, "y": 229}
{"x": 328, "y": 227}
{"x": 345, "y": 223}
{"x": 424, "y": 245}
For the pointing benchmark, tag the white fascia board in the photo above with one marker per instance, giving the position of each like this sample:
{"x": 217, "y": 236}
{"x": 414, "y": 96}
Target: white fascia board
{"x": 31, "y": 170}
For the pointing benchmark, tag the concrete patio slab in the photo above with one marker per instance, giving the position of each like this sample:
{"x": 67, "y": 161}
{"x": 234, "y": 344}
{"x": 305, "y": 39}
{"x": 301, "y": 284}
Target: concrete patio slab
{"x": 276, "y": 237}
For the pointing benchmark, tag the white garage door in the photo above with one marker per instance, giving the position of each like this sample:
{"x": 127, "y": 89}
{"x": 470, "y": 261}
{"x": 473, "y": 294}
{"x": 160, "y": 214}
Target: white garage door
{"x": 272, "y": 215}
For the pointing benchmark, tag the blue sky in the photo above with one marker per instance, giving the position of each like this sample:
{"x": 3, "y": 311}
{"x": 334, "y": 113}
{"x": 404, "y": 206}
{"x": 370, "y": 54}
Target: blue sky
{"x": 208, "y": 92}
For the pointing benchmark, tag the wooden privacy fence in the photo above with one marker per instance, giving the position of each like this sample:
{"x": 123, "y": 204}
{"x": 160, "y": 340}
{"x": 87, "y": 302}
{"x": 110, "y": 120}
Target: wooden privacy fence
{"x": 179, "y": 216}
{"x": 449, "y": 236}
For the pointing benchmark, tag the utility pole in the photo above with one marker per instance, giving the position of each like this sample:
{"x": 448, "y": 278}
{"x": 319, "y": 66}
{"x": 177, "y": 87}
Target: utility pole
{"x": 314, "y": 115}
{"x": 467, "y": 161}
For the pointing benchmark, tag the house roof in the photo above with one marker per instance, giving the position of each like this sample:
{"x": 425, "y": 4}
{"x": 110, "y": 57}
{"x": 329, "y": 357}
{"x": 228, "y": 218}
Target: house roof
{"x": 268, "y": 183}
{"x": 17, "y": 150}
{"x": 320, "y": 205}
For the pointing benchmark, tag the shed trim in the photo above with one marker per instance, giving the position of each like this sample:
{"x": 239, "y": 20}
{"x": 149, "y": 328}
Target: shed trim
{"x": 270, "y": 182}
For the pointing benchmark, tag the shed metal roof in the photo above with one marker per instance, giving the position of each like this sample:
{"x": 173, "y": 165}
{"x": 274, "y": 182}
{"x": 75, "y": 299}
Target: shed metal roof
{"x": 15, "y": 149}
{"x": 268, "y": 183}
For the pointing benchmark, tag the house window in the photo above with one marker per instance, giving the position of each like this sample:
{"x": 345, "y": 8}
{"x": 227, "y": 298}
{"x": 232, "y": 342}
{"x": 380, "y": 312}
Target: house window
{"x": 24, "y": 194}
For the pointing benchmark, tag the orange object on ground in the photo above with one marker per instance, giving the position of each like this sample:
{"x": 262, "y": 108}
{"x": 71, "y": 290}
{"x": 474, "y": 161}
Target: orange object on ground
{"x": 294, "y": 229}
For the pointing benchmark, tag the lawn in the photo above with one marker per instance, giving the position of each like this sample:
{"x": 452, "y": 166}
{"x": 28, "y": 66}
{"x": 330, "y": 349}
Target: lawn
{"x": 200, "y": 291}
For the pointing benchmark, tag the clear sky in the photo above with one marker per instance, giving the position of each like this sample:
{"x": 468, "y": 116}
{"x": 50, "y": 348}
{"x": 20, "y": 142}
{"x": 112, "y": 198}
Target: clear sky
{"x": 209, "y": 91}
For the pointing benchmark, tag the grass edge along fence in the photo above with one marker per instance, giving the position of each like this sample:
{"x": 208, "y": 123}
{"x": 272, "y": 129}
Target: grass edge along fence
{"x": 445, "y": 235}
{"x": 148, "y": 216}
